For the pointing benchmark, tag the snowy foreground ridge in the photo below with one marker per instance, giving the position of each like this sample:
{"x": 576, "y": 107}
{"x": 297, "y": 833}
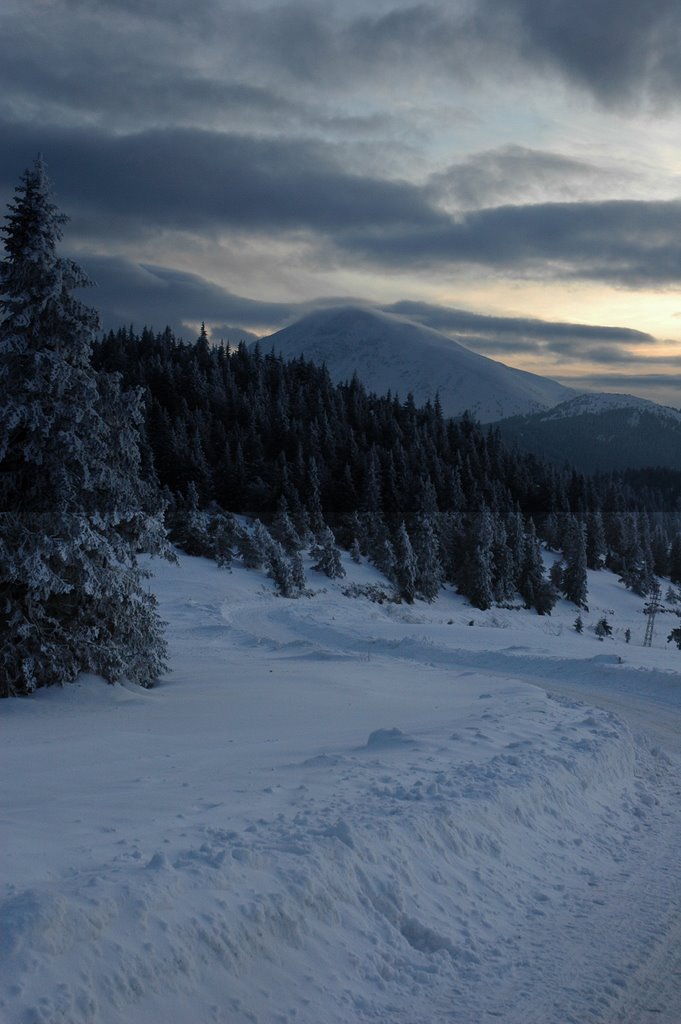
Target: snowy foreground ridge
{"x": 339, "y": 811}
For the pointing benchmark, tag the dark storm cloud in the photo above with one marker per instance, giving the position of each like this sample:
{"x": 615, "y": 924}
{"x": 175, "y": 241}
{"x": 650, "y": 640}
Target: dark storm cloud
{"x": 510, "y": 335}
{"x": 508, "y": 173}
{"x": 204, "y": 181}
{"x": 124, "y": 58}
{"x": 659, "y": 387}
{"x": 620, "y": 242}
{"x": 462, "y": 321}
{"x": 165, "y": 93}
{"x": 126, "y": 293}
{"x": 142, "y": 294}
{"x": 579, "y": 350}
{"x": 624, "y": 381}
{"x": 618, "y": 51}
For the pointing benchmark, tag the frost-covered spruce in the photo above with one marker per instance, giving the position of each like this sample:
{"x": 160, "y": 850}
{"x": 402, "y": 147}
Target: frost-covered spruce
{"x": 574, "y": 574}
{"x": 327, "y": 556}
{"x": 74, "y": 511}
{"x": 288, "y": 574}
{"x": 430, "y": 574}
{"x": 406, "y": 567}
{"x": 283, "y": 529}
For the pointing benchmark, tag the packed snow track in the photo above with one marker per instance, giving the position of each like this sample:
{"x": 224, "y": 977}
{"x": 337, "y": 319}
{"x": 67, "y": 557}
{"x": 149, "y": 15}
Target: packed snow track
{"x": 344, "y": 811}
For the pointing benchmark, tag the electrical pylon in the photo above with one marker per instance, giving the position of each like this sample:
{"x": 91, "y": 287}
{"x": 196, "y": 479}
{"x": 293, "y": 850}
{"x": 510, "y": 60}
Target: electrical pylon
{"x": 653, "y": 608}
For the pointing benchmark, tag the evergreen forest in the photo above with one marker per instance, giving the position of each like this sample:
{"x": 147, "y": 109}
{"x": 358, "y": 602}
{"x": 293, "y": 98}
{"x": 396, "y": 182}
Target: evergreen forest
{"x": 429, "y": 500}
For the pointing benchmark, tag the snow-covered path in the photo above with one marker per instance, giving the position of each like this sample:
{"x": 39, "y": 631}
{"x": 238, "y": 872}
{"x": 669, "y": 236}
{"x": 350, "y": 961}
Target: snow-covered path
{"x": 347, "y": 812}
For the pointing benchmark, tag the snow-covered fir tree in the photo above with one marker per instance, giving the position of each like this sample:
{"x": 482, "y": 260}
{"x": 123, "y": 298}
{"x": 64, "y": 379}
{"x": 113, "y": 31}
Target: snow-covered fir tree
{"x": 430, "y": 575}
{"x": 283, "y": 529}
{"x": 575, "y": 581}
{"x": 75, "y": 511}
{"x": 675, "y": 559}
{"x": 536, "y": 591}
{"x": 406, "y": 567}
{"x": 189, "y": 524}
{"x": 476, "y": 574}
{"x": 251, "y": 546}
{"x": 287, "y": 573}
{"x": 327, "y": 555}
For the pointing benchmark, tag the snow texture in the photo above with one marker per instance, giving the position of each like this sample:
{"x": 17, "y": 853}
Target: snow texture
{"x": 391, "y": 353}
{"x": 343, "y": 812}
{"x": 602, "y": 402}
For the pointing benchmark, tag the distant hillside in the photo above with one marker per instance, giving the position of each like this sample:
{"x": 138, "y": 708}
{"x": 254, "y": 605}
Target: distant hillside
{"x": 601, "y": 432}
{"x": 390, "y": 353}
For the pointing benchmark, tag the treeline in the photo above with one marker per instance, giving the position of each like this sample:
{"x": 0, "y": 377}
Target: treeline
{"x": 428, "y": 499}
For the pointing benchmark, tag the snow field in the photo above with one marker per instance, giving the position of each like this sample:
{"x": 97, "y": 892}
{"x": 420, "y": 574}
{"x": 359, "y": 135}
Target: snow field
{"x": 338, "y": 811}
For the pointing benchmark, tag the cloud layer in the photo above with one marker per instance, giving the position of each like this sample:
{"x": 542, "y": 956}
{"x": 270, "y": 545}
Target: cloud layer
{"x": 394, "y": 147}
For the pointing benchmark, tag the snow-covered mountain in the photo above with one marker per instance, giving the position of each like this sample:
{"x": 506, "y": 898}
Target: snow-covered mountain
{"x": 601, "y": 432}
{"x": 602, "y": 402}
{"x": 390, "y": 353}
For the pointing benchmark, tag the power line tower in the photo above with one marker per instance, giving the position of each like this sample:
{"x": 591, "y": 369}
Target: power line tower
{"x": 652, "y": 609}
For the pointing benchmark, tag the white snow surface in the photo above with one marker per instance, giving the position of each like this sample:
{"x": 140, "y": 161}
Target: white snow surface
{"x": 335, "y": 811}
{"x": 604, "y": 401}
{"x": 392, "y": 353}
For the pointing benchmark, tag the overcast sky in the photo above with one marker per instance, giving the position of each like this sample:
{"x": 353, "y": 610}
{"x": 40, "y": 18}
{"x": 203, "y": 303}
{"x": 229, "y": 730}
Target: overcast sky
{"x": 508, "y": 171}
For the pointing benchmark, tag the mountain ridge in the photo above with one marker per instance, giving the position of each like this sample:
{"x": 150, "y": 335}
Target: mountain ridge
{"x": 601, "y": 432}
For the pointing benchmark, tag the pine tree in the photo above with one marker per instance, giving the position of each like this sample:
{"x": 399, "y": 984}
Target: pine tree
{"x": 429, "y": 576}
{"x": 602, "y": 628}
{"x": 283, "y": 530}
{"x": 556, "y": 574}
{"x": 406, "y": 568}
{"x": 574, "y": 573}
{"x": 75, "y": 511}
{"x": 536, "y": 591}
{"x": 675, "y": 637}
{"x": 189, "y": 524}
{"x": 505, "y": 581}
{"x": 675, "y": 559}
{"x": 249, "y": 545}
{"x": 596, "y": 546}
{"x": 298, "y": 580}
{"x": 327, "y": 555}
{"x": 288, "y": 574}
{"x": 475, "y": 578}
{"x": 385, "y": 560}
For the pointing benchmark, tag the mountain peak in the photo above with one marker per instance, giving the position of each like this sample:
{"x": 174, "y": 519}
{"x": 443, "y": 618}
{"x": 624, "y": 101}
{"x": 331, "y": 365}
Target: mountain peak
{"x": 391, "y": 353}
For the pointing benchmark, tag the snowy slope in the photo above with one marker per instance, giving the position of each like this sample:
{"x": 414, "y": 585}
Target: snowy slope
{"x": 336, "y": 811}
{"x": 390, "y": 353}
{"x": 602, "y": 402}
{"x": 601, "y": 432}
